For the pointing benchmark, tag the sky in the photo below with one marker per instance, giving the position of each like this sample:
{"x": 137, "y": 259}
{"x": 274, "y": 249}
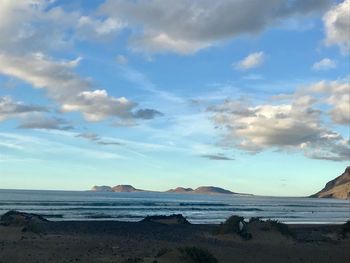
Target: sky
{"x": 252, "y": 96}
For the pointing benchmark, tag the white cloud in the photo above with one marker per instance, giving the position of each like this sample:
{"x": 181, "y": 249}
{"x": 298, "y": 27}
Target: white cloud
{"x": 91, "y": 28}
{"x": 97, "y": 105}
{"x": 295, "y": 122}
{"x": 43, "y": 72}
{"x": 186, "y": 26}
{"x": 31, "y": 29}
{"x": 30, "y": 26}
{"x": 68, "y": 89}
{"x": 38, "y": 25}
{"x": 337, "y": 26}
{"x": 162, "y": 42}
{"x": 338, "y": 97}
{"x": 324, "y": 64}
{"x": 264, "y": 126}
{"x": 253, "y": 60}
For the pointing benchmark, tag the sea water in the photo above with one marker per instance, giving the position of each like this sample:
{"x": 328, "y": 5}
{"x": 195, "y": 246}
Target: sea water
{"x": 200, "y": 209}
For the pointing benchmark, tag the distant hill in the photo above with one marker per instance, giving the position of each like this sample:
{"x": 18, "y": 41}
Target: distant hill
{"x": 180, "y": 190}
{"x": 125, "y": 188}
{"x": 337, "y": 188}
{"x": 118, "y": 188}
{"x": 212, "y": 190}
{"x": 200, "y": 190}
{"x": 102, "y": 188}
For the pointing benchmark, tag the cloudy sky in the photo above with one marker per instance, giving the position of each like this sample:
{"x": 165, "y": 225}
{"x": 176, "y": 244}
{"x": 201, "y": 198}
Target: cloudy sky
{"x": 248, "y": 95}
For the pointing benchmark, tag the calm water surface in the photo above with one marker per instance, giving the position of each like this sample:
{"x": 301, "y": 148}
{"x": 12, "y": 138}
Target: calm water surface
{"x": 69, "y": 205}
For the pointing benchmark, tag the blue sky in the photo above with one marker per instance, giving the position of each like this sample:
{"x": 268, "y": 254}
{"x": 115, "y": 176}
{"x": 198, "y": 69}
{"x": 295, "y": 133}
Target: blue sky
{"x": 252, "y": 96}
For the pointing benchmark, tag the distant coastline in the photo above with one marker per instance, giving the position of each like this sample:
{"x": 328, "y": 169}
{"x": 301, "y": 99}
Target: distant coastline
{"x": 338, "y": 188}
{"x": 206, "y": 190}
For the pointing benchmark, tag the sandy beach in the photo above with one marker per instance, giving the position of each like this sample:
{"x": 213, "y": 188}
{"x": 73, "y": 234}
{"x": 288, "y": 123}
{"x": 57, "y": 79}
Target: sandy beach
{"x": 112, "y": 241}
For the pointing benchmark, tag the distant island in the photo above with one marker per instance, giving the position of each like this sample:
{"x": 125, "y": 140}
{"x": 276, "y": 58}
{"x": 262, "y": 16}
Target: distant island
{"x": 117, "y": 189}
{"x": 201, "y": 190}
{"x": 337, "y": 188}
{"x": 180, "y": 190}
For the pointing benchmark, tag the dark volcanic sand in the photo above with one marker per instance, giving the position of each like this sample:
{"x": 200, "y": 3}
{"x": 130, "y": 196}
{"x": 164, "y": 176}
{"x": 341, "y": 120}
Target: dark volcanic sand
{"x": 141, "y": 242}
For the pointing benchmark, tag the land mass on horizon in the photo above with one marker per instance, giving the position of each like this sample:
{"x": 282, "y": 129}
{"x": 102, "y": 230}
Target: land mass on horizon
{"x": 180, "y": 190}
{"x": 337, "y": 188}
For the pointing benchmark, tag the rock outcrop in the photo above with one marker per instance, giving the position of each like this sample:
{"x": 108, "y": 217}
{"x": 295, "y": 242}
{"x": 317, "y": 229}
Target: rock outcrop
{"x": 15, "y": 218}
{"x": 337, "y": 188}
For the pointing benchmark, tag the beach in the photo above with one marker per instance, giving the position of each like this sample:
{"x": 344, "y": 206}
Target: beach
{"x": 155, "y": 241}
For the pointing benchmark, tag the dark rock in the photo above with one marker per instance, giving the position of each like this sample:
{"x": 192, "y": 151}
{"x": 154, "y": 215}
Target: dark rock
{"x": 15, "y": 218}
{"x": 176, "y": 219}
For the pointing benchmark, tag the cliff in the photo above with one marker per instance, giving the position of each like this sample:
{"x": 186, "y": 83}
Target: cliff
{"x": 337, "y": 188}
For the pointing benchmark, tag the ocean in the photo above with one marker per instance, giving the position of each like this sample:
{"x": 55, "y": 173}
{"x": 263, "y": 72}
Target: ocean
{"x": 198, "y": 209}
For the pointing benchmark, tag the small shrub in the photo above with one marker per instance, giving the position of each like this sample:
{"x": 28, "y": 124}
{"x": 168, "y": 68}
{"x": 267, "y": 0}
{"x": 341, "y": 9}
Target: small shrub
{"x": 197, "y": 255}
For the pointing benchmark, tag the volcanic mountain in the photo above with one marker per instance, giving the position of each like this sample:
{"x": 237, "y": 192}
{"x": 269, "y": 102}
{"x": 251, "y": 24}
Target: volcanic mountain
{"x": 118, "y": 188}
{"x": 337, "y": 188}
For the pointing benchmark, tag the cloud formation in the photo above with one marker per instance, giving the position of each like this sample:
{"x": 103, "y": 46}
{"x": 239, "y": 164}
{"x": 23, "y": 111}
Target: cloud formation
{"x": 95, "y": 29}
{"x": 28, "y": 29}
{"x": 337, "y": 96}
{"x": 294, "y": 123}
{"x": 147, "y": 114}
{"x": 253, "y": 60}
{"x": 186, "y": 26}
{"x": 67, "y": 88}
{"x": 337, "y": 26}
{"x": 97, "y": 139}
{"x": 97, "y": 105}
{"x": 39, "y": 25}
{"x": 217, "y": 157}
{"x": 45, "y": 122}
{"x": 324, "y": 64}
{"x": 10, "y": 108}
